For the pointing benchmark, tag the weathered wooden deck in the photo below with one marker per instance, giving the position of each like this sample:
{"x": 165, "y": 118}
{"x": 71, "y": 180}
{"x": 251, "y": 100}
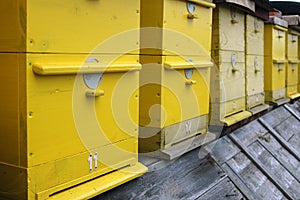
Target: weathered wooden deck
{"x": 258, "y": 161}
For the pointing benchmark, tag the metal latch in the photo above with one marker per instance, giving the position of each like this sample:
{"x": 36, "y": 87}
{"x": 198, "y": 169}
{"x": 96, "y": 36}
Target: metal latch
{"x": 94, "y": 93}
{"x": 191, "y": 82}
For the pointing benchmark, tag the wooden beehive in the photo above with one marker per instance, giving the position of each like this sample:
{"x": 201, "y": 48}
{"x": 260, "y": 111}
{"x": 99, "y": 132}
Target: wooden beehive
{"x": 275, "y": 61}
{"x": 254, "y": 50}
{"x": 228, "y": 51}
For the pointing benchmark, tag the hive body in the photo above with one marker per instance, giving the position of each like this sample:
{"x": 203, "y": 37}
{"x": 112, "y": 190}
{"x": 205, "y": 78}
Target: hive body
{"x": 61, "y": 122}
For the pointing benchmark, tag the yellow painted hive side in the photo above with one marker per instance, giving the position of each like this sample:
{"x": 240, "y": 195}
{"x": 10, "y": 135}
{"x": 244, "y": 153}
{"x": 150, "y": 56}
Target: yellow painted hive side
{"x": 275, "y": 62}
{"x": 299, "y": 64}
{"x": 292, "y": 66}
{"x": 174, "y": 44}
{"x": 228, "y": 52}
{"x": 62, "y": 132}
{"x": 254, "y": 49}
{"x": 79, "y": 26}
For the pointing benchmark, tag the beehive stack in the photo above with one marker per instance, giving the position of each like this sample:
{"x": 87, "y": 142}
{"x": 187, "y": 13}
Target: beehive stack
{"x": 254, "y": 50}
{"x": 293, "y": 55}
{"x": 228, "y": 104}
{"x": 275, "y": 61}
{"x": 60, "y": 127}
{"x": 174, "y": 81}
{"x": 292, "y": 58}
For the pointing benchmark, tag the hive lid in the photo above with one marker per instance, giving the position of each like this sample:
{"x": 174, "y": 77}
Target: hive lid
{"x": 293, "y": 21}
{"x": 262, "y": 9}
{"x": 248, "y": 4}
{"x": 277, "y": 21}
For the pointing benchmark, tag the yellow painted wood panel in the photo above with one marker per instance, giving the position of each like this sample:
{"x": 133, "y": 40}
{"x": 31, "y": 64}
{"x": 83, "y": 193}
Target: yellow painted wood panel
{"x": 168, "y": 96}
{"x": 255, "y": 100}
{"x": 298, "y": 65}
{"x": 273, "y": 95}
{"x": 232, "y": 83}
{"x": 254, "y": 36}
{"x": 275, "y": 75}
{"x": 182, "y": 101}
{"x": 60, "y": 113}
{"x": 70, "y": 26}
{"x": 220, "y": 57}
{"x": 13, "y": 182}
{"x": 292, "y": 74}
{"x": 229, "y": 79}
{"x": 279, "y": 47}
{"x": 88, "y": 24}
{"x": 197, "y": 29}
{"x": 219, "y": 111}
{"x": 275, "y": 42}
{"x": 13, "y": 26}
{"x": 291, "y": 90}
{"x": 254, "y": 74}
{"x": 69, "y": 171}
{"x": 268, "y": 38}
{"x": 292, "y": 46}
{"x": 12, "y": 124}
{"x": 170, "y": 31}
{"x": 228, "y": 29}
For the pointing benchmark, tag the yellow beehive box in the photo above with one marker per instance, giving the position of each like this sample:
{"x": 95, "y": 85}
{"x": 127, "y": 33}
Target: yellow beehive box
{"x": 298, "y": 64}
{"x": 67, "y": 26}
{"x": 275, "y": 61}
{"x": 174, "y": 106}
{"x": 228, "y": 51}
{"x": 190, "y": 18}
{"x": 69, "y": 128}
{"x": 58, "y": 116}
{"x": 254, "y": 50}
{"x": 174, "y": 81}
{"x": 292, "y": 66}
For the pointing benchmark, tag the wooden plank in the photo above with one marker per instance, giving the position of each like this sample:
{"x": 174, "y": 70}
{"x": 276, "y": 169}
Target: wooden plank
{"x": 221, "y": 150}
{"x": 295, "y": 142}
{"x": 250, "y": 132}
{"x": 261, "y": 166}
{"x": 292, "y": 111}
{"x": 282, "y": 175}
{"x": 224, "y": 189}
{"x": 179, "y": 180}
{"x": 288, "y": 128}
{"x": 237, "y": 180}
{"x": 282, "y": 161}
{"x": 208, "y": 189}
{"x": 283, "y": 142}
{"x": 277, "y": 116}
{"x": 253, "y": 178}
